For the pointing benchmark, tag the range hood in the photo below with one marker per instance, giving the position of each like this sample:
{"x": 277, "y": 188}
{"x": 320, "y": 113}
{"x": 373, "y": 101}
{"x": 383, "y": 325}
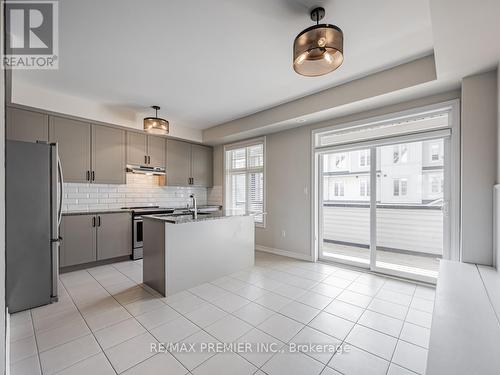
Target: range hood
{"x": 144, "y": 169}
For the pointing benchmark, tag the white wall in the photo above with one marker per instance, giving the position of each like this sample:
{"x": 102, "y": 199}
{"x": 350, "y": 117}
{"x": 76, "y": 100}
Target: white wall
{"x": 479, "y": 166}
{"x": 140, "y": 190}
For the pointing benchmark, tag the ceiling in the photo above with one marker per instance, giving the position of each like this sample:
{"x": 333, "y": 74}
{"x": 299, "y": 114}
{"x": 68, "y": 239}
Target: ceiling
{"x": 209, "y": 62}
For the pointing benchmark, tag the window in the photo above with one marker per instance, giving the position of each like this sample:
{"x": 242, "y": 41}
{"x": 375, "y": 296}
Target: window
{"x": 364, "y": 158}
{"x": 437, "y": 184}
{"x": 400, "y": 154}
{"x": 364, "y": 188}
{"x": 244, "y": 175}
{"x": 338, "y": 189}
{"x": 435, "y": 152}
{"x": 400, "y": 187}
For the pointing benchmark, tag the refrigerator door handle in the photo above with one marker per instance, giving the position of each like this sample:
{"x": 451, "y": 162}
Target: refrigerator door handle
{"x": 61, "y": 189}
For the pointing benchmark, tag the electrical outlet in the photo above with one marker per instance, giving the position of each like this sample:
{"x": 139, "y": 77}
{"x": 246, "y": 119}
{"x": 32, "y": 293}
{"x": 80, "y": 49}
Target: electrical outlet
{"x": 283, "y": 233}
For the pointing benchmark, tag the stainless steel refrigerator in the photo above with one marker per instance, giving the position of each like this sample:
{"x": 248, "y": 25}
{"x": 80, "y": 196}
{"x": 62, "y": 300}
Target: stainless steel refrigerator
{"x": 33, "y": 184}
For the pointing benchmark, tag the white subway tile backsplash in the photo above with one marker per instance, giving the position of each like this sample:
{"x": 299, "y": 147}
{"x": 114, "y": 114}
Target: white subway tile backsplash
{"x": 140, "y": 190}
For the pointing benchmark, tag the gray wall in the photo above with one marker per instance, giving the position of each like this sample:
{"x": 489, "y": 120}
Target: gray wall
{"x": 479, "y": 166}
{"x": 288, "y": 173}
{"x": 288, "y": 180}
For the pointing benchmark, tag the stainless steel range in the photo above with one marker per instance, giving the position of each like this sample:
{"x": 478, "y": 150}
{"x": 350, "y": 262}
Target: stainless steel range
{"x": 137, "y": 232}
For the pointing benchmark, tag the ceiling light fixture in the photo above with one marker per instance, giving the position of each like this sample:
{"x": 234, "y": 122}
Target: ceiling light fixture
{"x": 319, "y": 49}
{"x": 156, "y": 125}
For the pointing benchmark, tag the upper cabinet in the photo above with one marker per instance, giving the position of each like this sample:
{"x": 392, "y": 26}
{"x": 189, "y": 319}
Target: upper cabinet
{"x": 137, "y": 148}
{"x": 178, "y": 163}
{"x": 201, "y": 165}
{"x": 27, "y": 126}
{"x": 73, "y": 139}
{"x": 89, "y": 153}
{"x": 143, "y": 149}
{"x": 108, "y": 155}
{"x": 156, "y": 151}
{"x": 188, "y": 164}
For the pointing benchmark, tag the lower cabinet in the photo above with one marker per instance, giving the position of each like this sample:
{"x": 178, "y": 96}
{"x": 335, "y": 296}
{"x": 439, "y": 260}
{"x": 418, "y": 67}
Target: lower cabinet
{"x": 88, "y": 238}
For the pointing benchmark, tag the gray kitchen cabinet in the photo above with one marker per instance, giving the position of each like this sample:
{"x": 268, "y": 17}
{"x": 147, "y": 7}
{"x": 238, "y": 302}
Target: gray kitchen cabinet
{"x": 201, "y": 165}
{"x": 79, "y": 240}
{"x": 89, "y": 238}
{"x": 73, "y": 138}
{"x": 188, "y": 164}
{"x": 143, "y": 149}
{"x": 156, "y": 151}
{"x": 108, "y": 155}
{"x": 178, "y": 163}
{"x": 137, "y": 148}
{"x": 27, "y": 126}
{"x": 114, "y": 235}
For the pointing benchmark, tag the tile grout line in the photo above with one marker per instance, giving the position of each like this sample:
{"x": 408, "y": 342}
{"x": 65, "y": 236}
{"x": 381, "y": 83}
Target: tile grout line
{"x": 91, "y": 332}
{"x": 36, "y": 342}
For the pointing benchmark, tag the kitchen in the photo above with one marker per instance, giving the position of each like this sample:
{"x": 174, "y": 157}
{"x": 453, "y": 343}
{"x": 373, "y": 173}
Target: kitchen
{"x": 317, "y": 197}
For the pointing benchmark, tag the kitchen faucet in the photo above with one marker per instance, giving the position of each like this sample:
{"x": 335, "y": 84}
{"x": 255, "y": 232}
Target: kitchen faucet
{"x": 195, "y": 207}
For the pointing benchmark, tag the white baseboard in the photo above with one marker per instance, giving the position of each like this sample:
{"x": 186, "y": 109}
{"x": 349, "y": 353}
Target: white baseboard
{"x": 285, "y": 253}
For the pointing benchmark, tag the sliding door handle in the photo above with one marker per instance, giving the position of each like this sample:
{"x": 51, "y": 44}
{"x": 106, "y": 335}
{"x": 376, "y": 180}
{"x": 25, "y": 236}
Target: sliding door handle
{"x": 98, "y": 221}
{"x": 93, "y": 221}
{"x": 88, "y": 175}
{"x": 93, "y": 176}
{"x": 149, "y": 159}
{"x": 145, "y": 159}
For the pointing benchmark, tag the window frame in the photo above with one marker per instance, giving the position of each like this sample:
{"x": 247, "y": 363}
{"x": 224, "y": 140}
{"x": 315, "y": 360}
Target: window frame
{"x": 247, "y": 170}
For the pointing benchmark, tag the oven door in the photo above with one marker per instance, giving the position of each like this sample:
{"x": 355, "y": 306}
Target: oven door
{"x": 138, "y": 232}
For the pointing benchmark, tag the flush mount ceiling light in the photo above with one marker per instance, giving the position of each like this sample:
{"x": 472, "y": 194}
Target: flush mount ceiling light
{"x": 156, "y": 125}
{"x": 318, "y": 50}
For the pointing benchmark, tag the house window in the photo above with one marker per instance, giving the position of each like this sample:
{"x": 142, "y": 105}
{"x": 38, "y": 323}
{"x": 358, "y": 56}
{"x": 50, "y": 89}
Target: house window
{"x": 338, "y": 189}
{"x": 244, "y": 176}
{"x": 400, "y": 154}
{"x": 364, "y": 158}
{"x": 435, "y": 152}
{"x": 400, "y": 187}
{"x": 364, "y": 188}
{"x": 437, "y": 184}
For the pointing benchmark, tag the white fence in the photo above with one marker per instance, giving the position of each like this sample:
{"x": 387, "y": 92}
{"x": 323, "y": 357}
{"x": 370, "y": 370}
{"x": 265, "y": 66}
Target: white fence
{"x": 411, "y": 229}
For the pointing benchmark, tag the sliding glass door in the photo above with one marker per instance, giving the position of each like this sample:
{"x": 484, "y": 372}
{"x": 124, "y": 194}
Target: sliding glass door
{"x": 345, "y": 206}
{"x": 384, "y": 207}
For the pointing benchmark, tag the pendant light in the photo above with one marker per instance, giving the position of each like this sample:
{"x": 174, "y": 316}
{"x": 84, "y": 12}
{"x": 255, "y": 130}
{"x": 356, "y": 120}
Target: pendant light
{"x": 156, "y": 125}
{"x": 318, "y": 50}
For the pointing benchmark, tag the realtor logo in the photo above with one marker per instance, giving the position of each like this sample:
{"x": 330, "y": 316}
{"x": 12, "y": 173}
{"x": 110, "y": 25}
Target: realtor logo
{"x": 31, "y": 35}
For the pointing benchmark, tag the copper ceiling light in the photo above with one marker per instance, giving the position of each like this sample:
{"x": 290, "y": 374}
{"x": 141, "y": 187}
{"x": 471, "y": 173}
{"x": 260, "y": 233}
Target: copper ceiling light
{"x": 318, "y": 50}
{"x": 156, "y": 125}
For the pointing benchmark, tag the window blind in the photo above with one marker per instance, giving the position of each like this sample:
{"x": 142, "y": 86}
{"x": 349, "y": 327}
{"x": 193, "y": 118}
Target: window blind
{"x": 244, "y": 174}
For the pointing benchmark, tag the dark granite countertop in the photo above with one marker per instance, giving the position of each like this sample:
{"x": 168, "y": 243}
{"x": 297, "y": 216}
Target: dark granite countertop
{"x": 96, "y": 211}
{"x": 182, "y": 219}
{"x": 118, "y": 210}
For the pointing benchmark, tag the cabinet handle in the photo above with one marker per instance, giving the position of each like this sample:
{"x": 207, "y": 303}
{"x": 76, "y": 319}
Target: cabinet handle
{"x": 93, "y": 176}
{"x": 88, "y": 175}
{"x": 98, "y": 221}
{"x": 149, "y": 159}
{"x": 93, "y": 221}
{"x": 145, "y": 159}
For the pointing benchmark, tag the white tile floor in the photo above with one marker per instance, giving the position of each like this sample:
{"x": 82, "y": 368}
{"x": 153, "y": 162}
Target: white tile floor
{"x": 106, "y": 321}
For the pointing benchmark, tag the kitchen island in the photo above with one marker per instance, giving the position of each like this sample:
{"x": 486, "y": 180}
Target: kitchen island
{"x": 183, "y": 251}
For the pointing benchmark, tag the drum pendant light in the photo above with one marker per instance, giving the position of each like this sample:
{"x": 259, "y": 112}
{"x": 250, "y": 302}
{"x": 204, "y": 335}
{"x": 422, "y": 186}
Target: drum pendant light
{"x": 318, "y": 50}
{"x": 156, "y": 125}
